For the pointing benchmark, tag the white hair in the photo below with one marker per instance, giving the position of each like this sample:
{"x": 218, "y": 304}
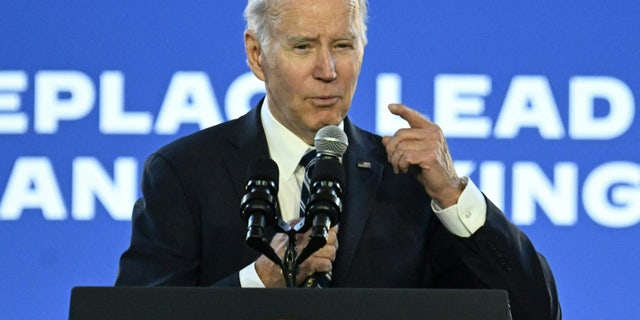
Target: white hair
{"x": 256, "y": 14}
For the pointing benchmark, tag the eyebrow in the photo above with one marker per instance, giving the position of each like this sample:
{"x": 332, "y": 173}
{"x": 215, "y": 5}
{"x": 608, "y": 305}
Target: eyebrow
{"x": 300, "y": 38}
{"x": 297, "y": 39}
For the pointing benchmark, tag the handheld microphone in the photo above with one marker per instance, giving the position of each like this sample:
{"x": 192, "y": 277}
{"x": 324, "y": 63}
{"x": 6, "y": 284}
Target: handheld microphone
{"x": 258, "y": 205}
{"x": 324, "y": 207}
{"x": 327, "y": 177}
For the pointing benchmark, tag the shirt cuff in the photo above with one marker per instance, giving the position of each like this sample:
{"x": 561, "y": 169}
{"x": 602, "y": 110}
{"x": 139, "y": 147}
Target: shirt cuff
{"x": 249, "y": 277}
{"x": 468, "y": 215}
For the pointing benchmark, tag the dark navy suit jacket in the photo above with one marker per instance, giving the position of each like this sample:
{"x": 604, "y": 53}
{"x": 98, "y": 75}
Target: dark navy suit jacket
{"x": 187, "y": 229}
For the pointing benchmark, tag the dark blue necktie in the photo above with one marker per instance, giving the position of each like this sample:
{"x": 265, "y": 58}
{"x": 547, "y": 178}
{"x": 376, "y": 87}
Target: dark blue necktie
{"x": 307, "y": 162}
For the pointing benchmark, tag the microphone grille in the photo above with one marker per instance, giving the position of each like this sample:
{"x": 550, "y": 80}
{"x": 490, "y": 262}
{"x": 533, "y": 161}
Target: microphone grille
{"x": 331, "y": 140}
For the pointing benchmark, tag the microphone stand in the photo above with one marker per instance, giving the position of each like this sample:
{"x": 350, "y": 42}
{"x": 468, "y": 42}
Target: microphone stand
{"x": 290, "y": 266}
{"x": 292, "y": 259}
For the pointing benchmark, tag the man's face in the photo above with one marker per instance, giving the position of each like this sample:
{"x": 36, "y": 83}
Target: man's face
{"x": 312, "y": 64}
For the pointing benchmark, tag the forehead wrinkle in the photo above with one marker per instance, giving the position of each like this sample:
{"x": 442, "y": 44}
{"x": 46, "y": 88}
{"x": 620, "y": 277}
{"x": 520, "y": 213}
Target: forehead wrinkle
{"x": 279, "y": 13}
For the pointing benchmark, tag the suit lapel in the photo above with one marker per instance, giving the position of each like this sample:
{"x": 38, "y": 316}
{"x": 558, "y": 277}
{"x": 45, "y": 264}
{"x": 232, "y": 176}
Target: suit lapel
{"x": 249, "y": 143}
{"x": 364, "y": 173}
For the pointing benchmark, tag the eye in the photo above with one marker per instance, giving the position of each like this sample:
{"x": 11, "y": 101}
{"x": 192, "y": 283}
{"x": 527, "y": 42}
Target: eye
{"x": 344, "y": 45}
{"x": 301, "y": 47}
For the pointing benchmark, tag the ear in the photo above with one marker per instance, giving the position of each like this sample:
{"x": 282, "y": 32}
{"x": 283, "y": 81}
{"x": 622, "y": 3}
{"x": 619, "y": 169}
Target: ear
{"x": 254, "y": 54}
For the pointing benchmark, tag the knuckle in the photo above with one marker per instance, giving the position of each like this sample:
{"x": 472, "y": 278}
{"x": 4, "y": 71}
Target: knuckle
{"x": 324, "y": 266}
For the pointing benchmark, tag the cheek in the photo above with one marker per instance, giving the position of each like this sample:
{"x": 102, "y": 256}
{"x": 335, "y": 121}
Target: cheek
{"x": 284, "y": 73}
{"x": 350, "y": 70}
{"x": 291, "y": 82}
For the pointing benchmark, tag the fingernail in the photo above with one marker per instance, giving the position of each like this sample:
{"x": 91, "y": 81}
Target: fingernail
{"x": 393, "y": 106}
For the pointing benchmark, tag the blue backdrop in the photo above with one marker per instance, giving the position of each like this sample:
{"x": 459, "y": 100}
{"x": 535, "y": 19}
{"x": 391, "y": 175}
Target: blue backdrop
{"x": 538, "y": 100}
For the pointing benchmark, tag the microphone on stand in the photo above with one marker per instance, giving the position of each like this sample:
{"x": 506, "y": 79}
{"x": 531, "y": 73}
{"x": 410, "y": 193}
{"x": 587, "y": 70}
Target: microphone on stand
{"x": 259, "y": 204}
{"x": 325, "y": 203}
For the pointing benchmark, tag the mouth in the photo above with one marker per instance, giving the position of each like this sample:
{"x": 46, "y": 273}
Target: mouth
{"x": 324, "y": 101}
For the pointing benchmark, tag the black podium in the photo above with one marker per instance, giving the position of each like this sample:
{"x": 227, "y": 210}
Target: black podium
{"x": 123, "y": 303}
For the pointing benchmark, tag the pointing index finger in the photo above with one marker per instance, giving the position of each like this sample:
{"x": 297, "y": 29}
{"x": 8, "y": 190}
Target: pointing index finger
{"x": 413, "y": 117}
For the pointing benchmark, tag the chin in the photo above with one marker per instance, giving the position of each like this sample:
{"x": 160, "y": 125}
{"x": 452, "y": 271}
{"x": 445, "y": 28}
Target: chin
{"x": 333, "y": 118}
{"x": 328, "y": 123}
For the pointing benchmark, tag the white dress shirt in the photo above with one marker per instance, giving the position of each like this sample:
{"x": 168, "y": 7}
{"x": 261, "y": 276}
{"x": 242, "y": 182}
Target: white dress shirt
{"x": 286, "y": 149}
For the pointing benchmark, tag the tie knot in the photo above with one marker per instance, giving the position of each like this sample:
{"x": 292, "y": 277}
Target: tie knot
{"x": 306, "y": 159}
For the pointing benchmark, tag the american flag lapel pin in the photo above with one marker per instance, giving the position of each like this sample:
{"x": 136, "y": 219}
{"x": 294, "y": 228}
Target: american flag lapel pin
{"x": 364, "y": 164}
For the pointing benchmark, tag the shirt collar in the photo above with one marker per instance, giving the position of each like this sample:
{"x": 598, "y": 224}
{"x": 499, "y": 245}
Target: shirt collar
{"x": 285, "y": 148}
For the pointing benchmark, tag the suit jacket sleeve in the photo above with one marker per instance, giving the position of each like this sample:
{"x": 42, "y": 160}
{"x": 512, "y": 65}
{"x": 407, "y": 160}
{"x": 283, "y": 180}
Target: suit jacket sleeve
{"x": 526, "y": 274}
{"x": 164, "y": 239}
{"x": 165, "y": 244}
{"x": 498, "y": 256}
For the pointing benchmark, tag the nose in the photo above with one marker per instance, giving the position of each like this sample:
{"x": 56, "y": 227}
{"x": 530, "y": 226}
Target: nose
{"x": 325, "y": 68}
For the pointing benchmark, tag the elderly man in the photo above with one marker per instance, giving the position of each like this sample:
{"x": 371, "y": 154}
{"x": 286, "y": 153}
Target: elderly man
{"x": 424, "y": 227}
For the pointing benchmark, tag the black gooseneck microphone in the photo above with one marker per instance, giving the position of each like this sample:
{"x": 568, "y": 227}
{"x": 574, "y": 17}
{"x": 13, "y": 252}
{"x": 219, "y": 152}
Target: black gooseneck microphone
{"x": 325, "y": 200}
{"x": 259, "y": 203}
